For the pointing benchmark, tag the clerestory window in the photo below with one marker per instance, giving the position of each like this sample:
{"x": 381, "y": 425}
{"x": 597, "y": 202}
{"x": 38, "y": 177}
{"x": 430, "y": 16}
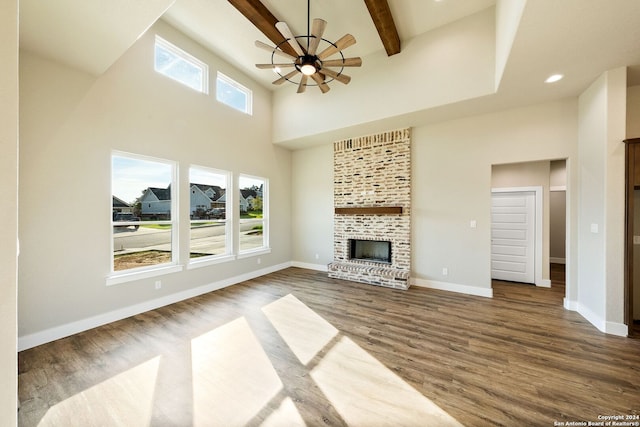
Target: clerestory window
{"x": 233, "y": 94}
{"x": 180, "y": 66}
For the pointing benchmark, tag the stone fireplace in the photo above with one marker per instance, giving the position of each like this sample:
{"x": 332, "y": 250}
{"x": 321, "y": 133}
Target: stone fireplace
{"x": 372, "y": 220}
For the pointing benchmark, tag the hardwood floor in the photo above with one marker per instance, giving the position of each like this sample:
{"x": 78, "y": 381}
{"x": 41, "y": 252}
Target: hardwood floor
{"x": 297, "y": 348}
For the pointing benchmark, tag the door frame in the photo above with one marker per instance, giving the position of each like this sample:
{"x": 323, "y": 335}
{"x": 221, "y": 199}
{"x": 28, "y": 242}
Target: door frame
{"x": 538, "y": 239}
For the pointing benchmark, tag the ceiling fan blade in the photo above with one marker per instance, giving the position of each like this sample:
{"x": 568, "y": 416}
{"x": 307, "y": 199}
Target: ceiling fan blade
{"x": 347, "y": 62}
{"x": 303, "y": 83}
{"x": 343, "y": 43}
{"x": 317, "y": 29}
{"x": 267, "y": 66}
{"x": 285, "y": 77}
{"x": 287, "y": 34}
{"x": 320, "y": 81}
{"x": 274, "y": 50}
{"x": 342, "y": 78}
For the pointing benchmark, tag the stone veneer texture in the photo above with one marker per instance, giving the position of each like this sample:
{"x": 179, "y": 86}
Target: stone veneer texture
{"x": 373, "y": 171}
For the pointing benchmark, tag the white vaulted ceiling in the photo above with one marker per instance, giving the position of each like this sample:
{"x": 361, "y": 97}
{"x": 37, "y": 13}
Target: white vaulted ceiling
{"x": 458, "y": 57}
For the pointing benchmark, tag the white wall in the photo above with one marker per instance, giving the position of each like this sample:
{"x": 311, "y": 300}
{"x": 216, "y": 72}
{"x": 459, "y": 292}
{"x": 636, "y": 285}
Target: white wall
{"x": 9, "y": 211}
{"x": 70, "y": 123}
{"x": 601, "y": 193}
{"x": 312, "y": 211}
{"x": 558, "y": 211}
{"x": 451, "y": 185}
{"x": 508, "y": 15}
{"x": 458, "y": 59}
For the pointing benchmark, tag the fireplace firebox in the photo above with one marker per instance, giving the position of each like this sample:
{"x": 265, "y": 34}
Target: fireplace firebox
{"x": 370, "y": 250}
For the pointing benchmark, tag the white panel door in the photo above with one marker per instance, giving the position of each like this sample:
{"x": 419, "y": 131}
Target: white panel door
{"x": 513, "y": 236}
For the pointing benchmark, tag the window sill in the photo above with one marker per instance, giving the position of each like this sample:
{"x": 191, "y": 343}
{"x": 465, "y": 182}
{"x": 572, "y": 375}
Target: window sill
{"x": 197, "y": 263}
{"x": 254, "y": 252}
{"x": 117, "y": 278}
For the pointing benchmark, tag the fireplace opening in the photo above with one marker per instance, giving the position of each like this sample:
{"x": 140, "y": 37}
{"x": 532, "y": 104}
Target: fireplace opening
{"x": 370, "y": 250}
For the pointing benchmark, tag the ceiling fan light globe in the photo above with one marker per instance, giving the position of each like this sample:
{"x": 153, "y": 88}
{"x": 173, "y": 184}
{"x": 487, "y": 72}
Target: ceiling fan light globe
{"x": 308, "y": 69}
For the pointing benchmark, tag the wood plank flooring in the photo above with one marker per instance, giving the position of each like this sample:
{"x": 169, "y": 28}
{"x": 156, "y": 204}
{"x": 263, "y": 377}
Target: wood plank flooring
{"x": 297, "y": 348}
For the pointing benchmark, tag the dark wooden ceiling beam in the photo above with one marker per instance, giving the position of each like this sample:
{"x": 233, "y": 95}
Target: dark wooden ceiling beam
{"x": 263, "y": 20}
{"x": 383, "y": 20}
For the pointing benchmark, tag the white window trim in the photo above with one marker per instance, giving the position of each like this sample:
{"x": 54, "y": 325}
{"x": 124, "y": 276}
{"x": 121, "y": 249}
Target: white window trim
{"x": 144, "y": 273}
{"x": 187, "y": 57}
{"x": 132, "y": 274}
{"x": 254, "y": 252}
{"x": 210, "y": 260}
{"x": 231, "y": 82}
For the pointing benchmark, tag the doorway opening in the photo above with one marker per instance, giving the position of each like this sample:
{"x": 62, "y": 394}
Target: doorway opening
{"x": 529, "y": 201}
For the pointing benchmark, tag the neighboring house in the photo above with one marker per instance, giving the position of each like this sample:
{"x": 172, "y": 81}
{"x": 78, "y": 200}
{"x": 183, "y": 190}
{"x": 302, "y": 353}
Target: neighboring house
{"x": 201, "y": 199}
{"x": 244, "y": 204}
{"x": 155, "y": 203}
{"x": 119, "y": 205}
{"x": 249, "y": 196}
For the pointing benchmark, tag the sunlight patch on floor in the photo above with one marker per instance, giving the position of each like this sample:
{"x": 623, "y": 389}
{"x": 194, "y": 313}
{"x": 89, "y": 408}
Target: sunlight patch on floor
{"x": 286, "y": 415}
{"x": 367, "y": 393}
{"x": 123, "y": 400}
{"x": 304, "y": 331}
{"x": 233, "y": 378}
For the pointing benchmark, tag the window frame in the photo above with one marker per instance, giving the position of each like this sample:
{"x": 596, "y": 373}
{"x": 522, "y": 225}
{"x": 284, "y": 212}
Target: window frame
{"x": 220, "y": 76}
{"x": 227, "y": 221}
{"x": 122, "y": 276}
{"x": 265, "y": 248}
{"x": 185, "y": 56}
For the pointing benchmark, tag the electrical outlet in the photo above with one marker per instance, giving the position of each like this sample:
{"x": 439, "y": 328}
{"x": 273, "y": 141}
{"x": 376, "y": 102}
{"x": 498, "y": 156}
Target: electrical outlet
{"x": 473, "y": 223}
{"x": 158, "y": 284}
{"x": 317, "y": 256}
{"x": 636, "y": 240}
{"x": 445, "y": 271}
{"x": 259, "y": 260}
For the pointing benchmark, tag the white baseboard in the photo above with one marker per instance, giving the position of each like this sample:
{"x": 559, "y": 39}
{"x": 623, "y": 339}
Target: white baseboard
{"x": 570, "y": 304}
{"x": 453, "y": 287}
{"x": 52, "y": 334}
{"x": 591, "y": 317}
{"x": 544, "y": 283}
{"x": 309, "y": 266}
{"x": 614, "y": 328}
{"x": 554, "y": 260}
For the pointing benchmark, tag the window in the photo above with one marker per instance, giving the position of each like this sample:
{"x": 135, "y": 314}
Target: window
{"x": 177, "y": 64}
{"x": 232, "y": 93}
{"x": 253, "y": 203}
{"x": 143, "y": 213}
{"x": 210, "y": 228}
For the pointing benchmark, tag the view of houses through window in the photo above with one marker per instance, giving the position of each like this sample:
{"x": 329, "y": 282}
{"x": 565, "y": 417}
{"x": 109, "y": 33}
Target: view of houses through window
{"x": 145, "y": 227}
{"x": 253, "y": 213}
{"x": 142, "y": 212}
{"x": 208, "y": 211}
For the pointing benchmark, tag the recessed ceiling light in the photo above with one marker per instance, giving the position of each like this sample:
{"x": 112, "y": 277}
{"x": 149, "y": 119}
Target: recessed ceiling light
{"x": 554, "y": 78}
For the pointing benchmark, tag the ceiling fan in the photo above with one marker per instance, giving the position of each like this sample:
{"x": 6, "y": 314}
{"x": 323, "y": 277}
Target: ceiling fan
{"x": 308, "y": 63}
